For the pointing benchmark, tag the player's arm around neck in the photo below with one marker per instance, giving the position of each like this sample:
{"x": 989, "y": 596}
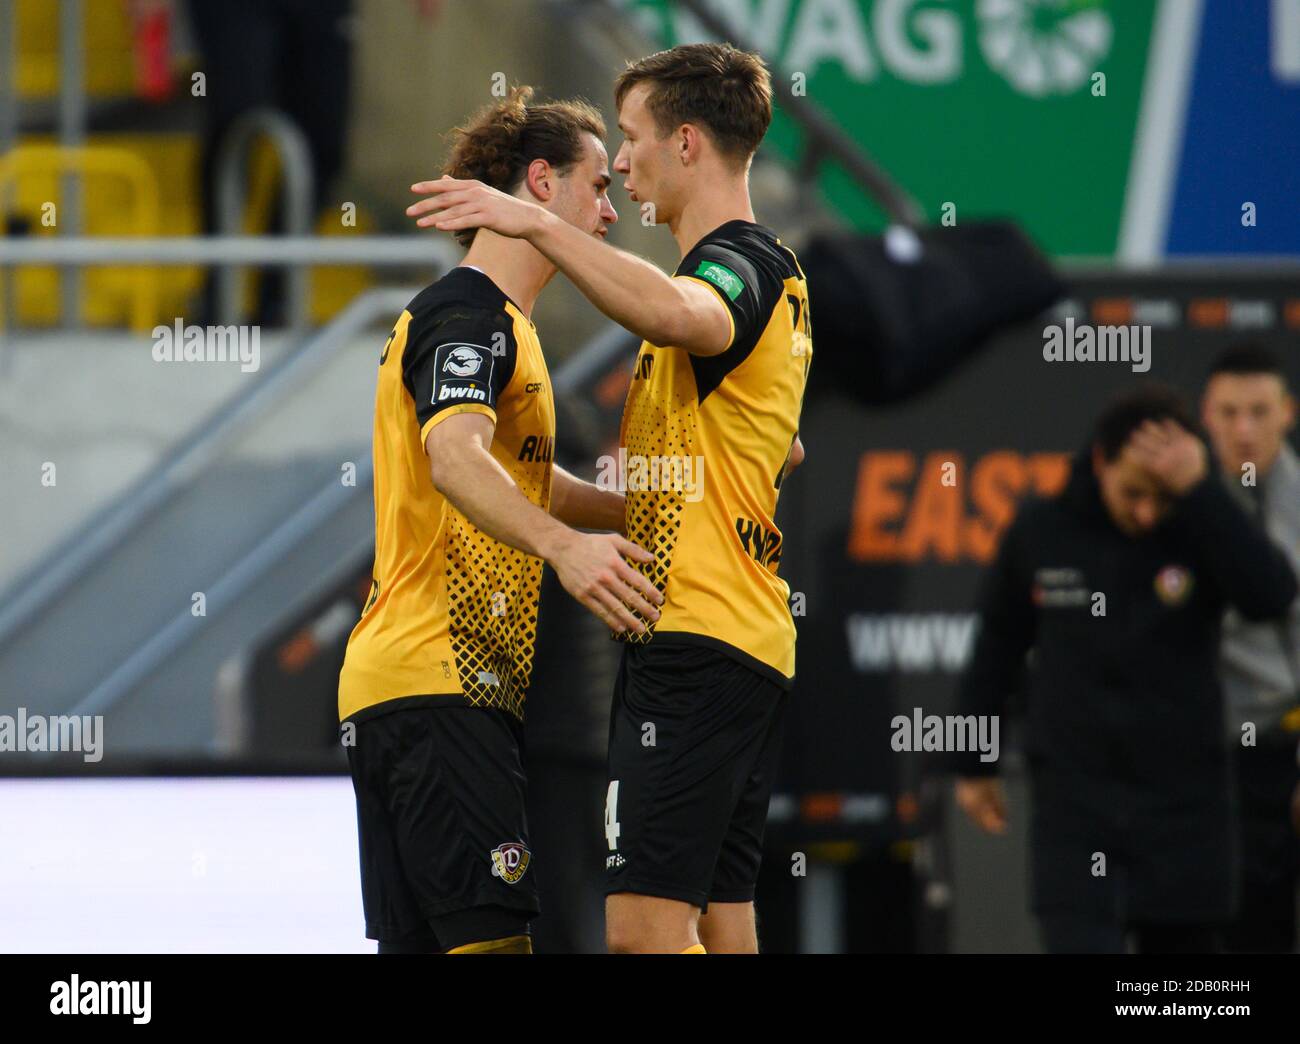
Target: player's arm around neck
{"x": 635, "y": 293}
{"x": 679, "y": 313}
{"x": 591, "y": 566}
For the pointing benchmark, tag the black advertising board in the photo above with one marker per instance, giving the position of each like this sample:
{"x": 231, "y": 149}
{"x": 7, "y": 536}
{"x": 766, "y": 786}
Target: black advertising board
{"x": 897, "y": 509}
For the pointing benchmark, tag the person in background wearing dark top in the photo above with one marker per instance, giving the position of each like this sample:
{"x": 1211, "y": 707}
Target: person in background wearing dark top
{"x": 290, "y": 55}
{"x": 1248, "y": 410}
{"x": 1118, "y": 586}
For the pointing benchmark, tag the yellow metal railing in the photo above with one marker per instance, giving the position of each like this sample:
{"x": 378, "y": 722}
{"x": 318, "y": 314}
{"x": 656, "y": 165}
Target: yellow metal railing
{"x": 95, "y": 161}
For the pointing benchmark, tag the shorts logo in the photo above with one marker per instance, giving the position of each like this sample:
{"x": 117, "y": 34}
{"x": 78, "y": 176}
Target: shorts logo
{"x": 510, "y": 861}
{"x": 462, "y": 361}
{"x": 1173, "y": 584}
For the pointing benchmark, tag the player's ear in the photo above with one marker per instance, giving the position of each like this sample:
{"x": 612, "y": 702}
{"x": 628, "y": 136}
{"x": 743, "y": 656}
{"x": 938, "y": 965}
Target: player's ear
{"x": 540, "y": 180}
{"x": 688, "y": 144}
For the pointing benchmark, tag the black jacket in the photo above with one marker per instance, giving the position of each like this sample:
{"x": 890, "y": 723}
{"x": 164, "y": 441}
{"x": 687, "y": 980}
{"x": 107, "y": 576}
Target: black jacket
{"x": 1124, "y": 736}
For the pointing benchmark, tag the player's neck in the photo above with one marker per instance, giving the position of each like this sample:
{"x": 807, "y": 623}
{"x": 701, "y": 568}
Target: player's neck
{"x": 707, "y": 210}
{"x": 513, "y": 264}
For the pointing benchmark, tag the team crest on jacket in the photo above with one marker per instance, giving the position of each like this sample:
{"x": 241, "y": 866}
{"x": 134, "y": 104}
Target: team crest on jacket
{"x": 1173, "y": 584}
{"x": 510, "y": 861}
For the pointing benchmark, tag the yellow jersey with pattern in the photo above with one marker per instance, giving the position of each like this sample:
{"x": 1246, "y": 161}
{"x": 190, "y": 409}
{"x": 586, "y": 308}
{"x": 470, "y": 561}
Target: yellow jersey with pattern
{"x": 706, "y": 440}
{"x": 452, "y": 613}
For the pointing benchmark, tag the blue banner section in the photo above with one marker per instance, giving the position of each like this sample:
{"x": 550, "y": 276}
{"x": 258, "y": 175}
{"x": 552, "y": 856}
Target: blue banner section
{"x": 1242, "y": 138}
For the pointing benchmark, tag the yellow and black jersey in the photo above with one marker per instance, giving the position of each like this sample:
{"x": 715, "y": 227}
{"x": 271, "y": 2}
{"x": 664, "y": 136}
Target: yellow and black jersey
{"x": 707, "y": 439}
{"x": 452, "y": 613}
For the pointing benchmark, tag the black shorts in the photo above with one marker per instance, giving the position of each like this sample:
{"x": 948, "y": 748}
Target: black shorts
{"x": 440, "y": 820}
{"x": 694, "y": 738}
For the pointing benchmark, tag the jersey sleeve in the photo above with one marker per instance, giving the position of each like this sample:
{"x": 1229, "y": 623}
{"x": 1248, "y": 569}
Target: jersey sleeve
{"x": 458, "y": 363}
{"x": 748, "y": 289}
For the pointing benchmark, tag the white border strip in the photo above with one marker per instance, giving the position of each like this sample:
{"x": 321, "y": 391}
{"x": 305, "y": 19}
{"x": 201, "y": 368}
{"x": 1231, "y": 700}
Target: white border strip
{"x": 1284, "y": 37}
{"x": 1158, "y": 142}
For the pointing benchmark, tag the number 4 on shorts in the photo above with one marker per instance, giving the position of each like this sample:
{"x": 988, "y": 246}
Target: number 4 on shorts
{"x": 611, "y": 815}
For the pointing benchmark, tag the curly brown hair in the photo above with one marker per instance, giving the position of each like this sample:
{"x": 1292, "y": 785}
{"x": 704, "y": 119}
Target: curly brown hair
{"x": 499, "y": 142}
{"x": 726, "y": 90}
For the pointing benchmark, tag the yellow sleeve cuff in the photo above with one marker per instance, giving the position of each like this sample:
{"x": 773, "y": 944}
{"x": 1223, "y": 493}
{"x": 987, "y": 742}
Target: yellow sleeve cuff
{"x": 725, "y": 304}
{"x": 451, "y": 411}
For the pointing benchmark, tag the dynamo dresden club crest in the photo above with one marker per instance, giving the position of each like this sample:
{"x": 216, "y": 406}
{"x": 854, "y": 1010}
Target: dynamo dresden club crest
{"x": 1173, "y": 584}
{"x": 510, "y": 861}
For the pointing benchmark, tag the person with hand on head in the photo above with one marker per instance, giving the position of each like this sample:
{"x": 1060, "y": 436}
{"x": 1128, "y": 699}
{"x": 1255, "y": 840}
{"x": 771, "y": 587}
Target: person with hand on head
{"x": 1118, "y": 587}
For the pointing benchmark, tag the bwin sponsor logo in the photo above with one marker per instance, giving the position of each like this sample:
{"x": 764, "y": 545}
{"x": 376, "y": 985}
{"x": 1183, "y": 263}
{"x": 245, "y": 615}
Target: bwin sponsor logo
{"x": 448, "y": 391}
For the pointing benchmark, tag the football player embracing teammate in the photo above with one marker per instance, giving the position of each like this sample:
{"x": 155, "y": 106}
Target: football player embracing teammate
{"x": 468, "y": 504}
{"x": 716, "y": 395}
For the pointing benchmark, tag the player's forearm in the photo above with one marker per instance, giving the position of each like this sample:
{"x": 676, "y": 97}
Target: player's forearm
{"x": 481, "y": 490}
{"x": 585, "y": 505}
{"x": 631, "y": 291}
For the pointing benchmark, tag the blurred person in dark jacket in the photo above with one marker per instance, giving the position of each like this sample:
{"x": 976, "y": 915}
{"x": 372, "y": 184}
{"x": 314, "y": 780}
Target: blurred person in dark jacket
{"x": 1118, "y": 587}
{"x": 1248, "y": 410}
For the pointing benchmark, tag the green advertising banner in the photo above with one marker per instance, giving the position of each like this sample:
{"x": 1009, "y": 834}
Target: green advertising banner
{"x": 1018, "y": 108}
